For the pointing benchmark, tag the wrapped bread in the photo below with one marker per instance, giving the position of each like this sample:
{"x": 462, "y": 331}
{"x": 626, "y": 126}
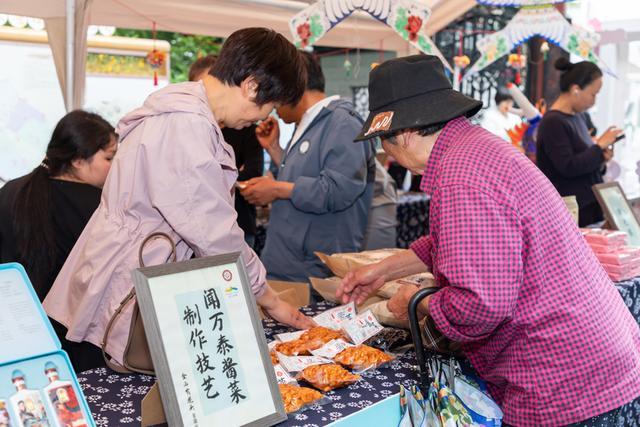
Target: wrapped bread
{"x": 386, "y": 317}
{"x": 327, "y": 377}
{"x": 294, "y": 397}
{"x": 423, "y": 280}
{"x": 362, "y": 357}
{"x": 312, "y": 339}
{"x": 341, "y": 264}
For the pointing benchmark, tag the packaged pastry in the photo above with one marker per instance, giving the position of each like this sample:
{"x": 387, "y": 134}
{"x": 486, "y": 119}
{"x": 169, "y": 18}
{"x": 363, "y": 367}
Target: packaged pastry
{"x": 424, "y": 280}
{"x": 319, "y": 336}
{"x": 299, "y": 363}
{"x": 272, "y": 352}
{"x": 312, "y": 339}
{"x": 362, "y": 357}
{"x": 332, "y": 348}
{"x": 602, "y": 237}
{"x": 293, "y": 348}
{"x": 295, "y": 397}
{"x": 386, "y": 317}
{"x": 340, "y": 264}
{"x": 327, "y": 377}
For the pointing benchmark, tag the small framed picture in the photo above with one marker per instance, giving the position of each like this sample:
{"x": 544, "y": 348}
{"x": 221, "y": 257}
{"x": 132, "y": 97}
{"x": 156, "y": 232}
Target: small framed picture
{"x": 207, "y": 343}
{"x": 617, "y": 210}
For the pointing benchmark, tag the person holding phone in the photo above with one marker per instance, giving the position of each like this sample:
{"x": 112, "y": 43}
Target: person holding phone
{"x": 567, "y": 154}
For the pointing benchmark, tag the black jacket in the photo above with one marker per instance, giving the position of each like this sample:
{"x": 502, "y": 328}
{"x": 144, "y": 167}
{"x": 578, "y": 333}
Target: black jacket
{"x": 250, "y": 163}
{"x": 568, "y": 156}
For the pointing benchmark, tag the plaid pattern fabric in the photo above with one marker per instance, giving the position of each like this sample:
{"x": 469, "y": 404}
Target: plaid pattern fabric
{"x": 535, "y": 312}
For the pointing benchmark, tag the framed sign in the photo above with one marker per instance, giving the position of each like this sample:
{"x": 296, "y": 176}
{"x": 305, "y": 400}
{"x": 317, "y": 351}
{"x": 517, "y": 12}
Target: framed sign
{"x": 207, "y": 343}
{"x": 617, "y": 210}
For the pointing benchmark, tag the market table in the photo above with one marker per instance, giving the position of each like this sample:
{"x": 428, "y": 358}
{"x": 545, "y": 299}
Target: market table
{"x": 412, "y": 215}
{"x": 115, "y": 399}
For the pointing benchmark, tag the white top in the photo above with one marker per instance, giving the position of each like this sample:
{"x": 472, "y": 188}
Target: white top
{"x": 308, "y": 117}
{"x": 497, "y": 123}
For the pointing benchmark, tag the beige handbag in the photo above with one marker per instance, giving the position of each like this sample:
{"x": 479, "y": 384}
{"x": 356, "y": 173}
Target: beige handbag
{"x": 137, "y": 357}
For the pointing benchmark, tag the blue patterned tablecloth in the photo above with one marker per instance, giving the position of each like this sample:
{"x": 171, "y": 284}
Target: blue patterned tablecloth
{"x": 115, "y": 399}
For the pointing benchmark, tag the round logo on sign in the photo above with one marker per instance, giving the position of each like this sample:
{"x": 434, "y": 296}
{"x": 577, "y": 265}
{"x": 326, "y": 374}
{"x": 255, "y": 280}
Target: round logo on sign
{"x": 304, "y": 147}
{"x": 227, "y": 276}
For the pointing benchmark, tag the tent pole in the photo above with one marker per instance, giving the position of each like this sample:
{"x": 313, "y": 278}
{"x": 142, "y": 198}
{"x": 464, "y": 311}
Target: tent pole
{"x": 70, "y": 51}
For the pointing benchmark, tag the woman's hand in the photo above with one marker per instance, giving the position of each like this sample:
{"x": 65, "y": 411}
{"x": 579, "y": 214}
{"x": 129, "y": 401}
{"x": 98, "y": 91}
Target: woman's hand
{"x": 358, "y": 284}
{"x": 283, "y": 312}
{"x": 609, "y": 137}
{"x": 399, "y": 303}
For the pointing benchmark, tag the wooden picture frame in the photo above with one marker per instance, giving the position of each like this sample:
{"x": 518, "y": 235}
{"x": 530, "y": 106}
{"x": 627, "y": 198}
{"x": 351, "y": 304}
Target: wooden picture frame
{"x": 207, "y": 343}
{"x": 617, "y": 210}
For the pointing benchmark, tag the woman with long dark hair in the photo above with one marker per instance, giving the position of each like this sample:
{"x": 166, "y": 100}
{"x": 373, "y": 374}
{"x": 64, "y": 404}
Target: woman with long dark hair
{"x": 567, "y": 154}
{"x": 42, "y": 214}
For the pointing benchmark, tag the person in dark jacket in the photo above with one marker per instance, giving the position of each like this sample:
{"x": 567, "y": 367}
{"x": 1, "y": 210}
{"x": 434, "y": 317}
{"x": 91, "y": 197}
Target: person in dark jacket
{"x": 324, "y": 187}
{"x": 43, "y": 213}
{"x": 248, "y": 151}
{"x": 567, "y": 154}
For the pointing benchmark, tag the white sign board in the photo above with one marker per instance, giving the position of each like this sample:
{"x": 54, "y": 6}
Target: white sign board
{"x": 207, "y": 343}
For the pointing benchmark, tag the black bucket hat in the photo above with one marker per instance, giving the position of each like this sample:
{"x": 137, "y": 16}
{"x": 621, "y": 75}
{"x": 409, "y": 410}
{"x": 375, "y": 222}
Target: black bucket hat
{"x": 412, "y": 92}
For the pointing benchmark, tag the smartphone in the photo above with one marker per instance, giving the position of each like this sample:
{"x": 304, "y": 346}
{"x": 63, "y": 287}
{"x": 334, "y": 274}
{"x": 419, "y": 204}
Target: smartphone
{"x": 619, "y": 137}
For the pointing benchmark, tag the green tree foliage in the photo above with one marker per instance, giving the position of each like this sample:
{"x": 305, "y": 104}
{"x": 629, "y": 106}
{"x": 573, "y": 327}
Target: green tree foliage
{"x": 185, "y": 48}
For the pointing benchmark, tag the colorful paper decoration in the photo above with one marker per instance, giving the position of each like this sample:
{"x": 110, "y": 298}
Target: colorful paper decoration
{"x": 520, "y": 3}
{"x": 405, "y": 17}
{"x": 545, "y": 21}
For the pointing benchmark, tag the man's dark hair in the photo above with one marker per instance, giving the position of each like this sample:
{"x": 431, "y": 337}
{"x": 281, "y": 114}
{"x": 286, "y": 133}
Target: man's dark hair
{"x": 502, "y": 96}
{"x": 269, "y": 58}
{"x": 201, "y": 65}
{"x": 315, "y": 77}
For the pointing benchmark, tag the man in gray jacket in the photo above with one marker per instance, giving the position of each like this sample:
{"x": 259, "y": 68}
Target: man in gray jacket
{"x": 324, "y": 185}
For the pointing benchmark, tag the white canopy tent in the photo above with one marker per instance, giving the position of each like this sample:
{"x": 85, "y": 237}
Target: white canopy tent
{"x": 218, "y": 18}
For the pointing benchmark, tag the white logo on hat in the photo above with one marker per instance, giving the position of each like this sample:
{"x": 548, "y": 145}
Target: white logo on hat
{"x": 381, "y": 122}
{"x": 304, "y": 147}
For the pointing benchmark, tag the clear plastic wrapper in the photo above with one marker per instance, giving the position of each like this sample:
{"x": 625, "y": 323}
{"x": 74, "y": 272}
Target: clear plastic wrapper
{"x": 363, "y": 327}
{"x": 299, "y": 363}
{"x": 602, "y": 237}
{"x": 624, "y": 256}
{"x": 290, "y": 336}
{"x": 296, "y": 398}
{"x": 272, "y": 352}
{"x": 362, "y": 358}
{"x": 311, "y": 339}
{"x": 604, "y": 249}
{"x": 332, "y": 348}
{"x": 389, "y": 289}
{"x": 282, "y": 376}
{"x": 327, "y": 377}
{"x": 334, "y": 318}
{"x": 389, "y": 339}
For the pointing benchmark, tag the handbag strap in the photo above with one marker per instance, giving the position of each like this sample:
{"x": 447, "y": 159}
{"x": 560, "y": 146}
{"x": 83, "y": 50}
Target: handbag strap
{"x": 108, "y": 360}
{"x": 156, "y": 235}
{"x": 130, "y": 296}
